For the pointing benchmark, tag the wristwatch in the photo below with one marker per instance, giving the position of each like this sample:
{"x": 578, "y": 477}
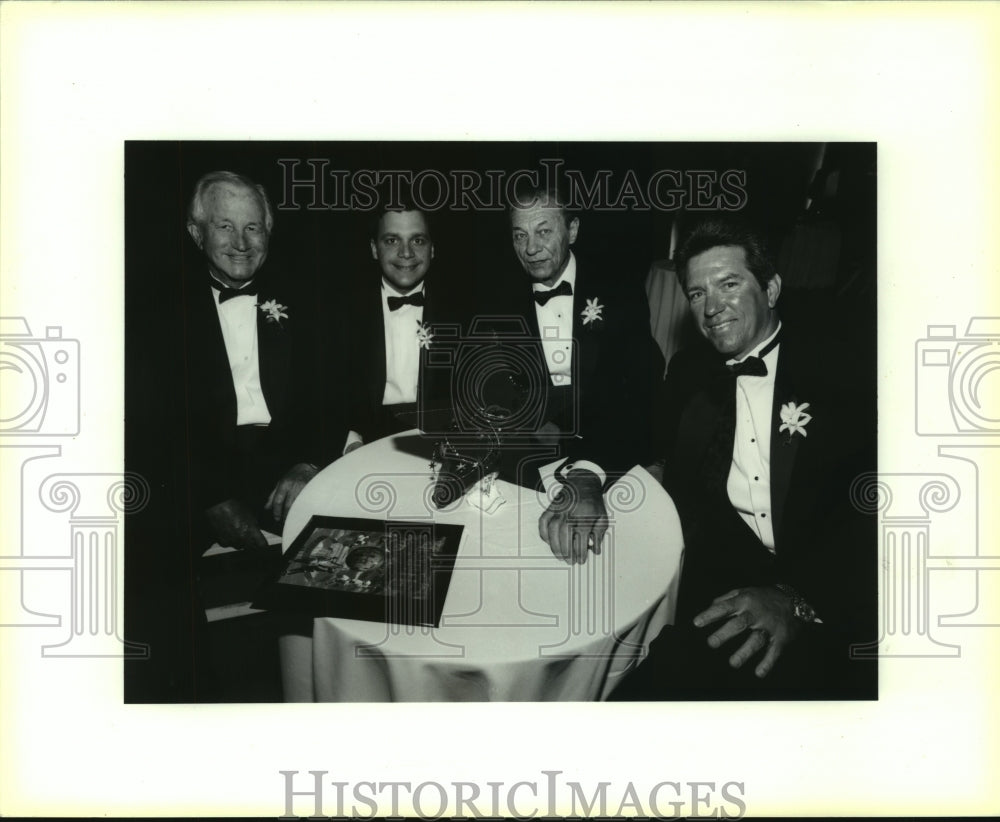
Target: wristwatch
{"x": 802, "y": 609}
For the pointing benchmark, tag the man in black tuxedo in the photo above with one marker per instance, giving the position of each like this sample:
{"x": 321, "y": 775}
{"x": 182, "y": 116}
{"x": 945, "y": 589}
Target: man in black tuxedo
{"x": 391, "y": 325}
{"x": 769, "y": 431}
{"x": 248, "y": 455}
{"x": 591, "y": 324}
{"x": 216, "y": 423}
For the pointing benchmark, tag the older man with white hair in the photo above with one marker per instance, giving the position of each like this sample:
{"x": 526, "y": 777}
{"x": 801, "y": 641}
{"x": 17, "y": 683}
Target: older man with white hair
{"x": 245, "y": 449}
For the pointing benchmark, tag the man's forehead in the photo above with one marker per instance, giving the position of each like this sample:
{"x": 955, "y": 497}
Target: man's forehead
{"x": 537, "y": 216}
{"x": 223, "y": 193}
{"x": 399, "y": 222}
{"x": 721, "y": 258}
{"x": 223, "y": 189}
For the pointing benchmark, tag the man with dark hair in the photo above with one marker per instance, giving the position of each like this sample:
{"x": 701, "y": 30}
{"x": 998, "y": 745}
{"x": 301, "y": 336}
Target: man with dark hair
{"x": 591, "y": 324}
{"x": 767, "y": 433}
{"x": 391, "y": 321}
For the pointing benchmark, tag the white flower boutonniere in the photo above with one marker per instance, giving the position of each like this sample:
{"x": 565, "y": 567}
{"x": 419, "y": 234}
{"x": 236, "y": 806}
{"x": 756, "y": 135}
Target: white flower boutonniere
{"x": 275, "y": 311}
{"x": 794, "y": 419}
{"x": 592, "y": 313}
{"x": 424, "y": 335}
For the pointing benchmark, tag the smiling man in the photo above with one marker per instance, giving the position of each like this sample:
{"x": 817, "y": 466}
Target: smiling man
{"x": 246, "y": 454}
{"x": 768, "y": 432}
{"x": 387, "y": 322}
{"x": 589, "y": 321}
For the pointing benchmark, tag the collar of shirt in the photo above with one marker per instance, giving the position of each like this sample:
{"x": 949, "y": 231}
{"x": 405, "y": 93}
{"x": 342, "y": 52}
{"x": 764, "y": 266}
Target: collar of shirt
{"x": 217, "y": 288}
{"x": 238, "y": 323}
{"x": 388, "y": 291}
{"x": 402, "y": 351}
{"x": 749, "y": 483}
{"x": 555, "y": 325}
{"x": 568, "y": 275}
{"x": 769, "y": 359}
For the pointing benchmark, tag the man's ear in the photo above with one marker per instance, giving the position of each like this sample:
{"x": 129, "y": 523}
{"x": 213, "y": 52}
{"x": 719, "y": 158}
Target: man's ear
{"x": 432, "y": 251}
{"x": 574, "y": 227}
{"x": 374, "y": 249}
{"x": 773, "y": 291}
{"x": 195, "y": 233}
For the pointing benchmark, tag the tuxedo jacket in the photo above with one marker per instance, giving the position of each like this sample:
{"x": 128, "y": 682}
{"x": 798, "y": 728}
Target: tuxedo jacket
{"x": 615, "y": 365}
{"x": 365, "y": 347}
{"x": 218, "y": 466}
{"x": 825, "y": 548}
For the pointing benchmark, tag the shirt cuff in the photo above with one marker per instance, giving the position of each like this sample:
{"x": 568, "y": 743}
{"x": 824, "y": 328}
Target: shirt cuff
{"x": 586, "y": 465}
{"x": 554, "y": 473}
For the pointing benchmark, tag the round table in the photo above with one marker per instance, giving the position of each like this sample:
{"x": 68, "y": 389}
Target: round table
{"x": 518, "y": 624}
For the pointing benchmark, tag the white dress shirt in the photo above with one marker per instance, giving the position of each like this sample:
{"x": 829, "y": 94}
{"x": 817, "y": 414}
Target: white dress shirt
{"x": 749, "y": 484}
{"x": 402, "y": 349}
{"x": 402, "y": 353}
{"x": 555, "y": 326}
{"x": 238, "y": 320}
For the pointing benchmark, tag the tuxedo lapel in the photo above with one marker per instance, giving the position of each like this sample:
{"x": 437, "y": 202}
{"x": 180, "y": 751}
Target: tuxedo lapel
{"x": 524, "y": 306}
{"x": 375, "y": 331}
{"x": 701, "y": 423}
{"x": 531, "y": 315}
{"x": 431, "y": 317}
{"x": 210, "y": 380}
{"x": 784, "y": 448}
{"x": 273, "y": 357}
{"x": 586, "y": 338}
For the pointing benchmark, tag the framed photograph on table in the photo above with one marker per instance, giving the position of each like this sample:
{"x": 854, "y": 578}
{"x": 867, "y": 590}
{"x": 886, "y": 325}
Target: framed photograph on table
{"x": 375, "y": 570}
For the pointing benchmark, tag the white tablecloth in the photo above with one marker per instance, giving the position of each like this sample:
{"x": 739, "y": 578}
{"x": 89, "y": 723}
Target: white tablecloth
{"x": 518, "y": 624}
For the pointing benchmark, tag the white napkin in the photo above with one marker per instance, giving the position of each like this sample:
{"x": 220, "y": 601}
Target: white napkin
{"x": 485, "y": 494}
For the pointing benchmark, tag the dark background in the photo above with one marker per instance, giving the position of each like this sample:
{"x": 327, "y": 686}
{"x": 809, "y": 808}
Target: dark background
{"x": 826, "y": 256}
{"x": 327, "y": 246}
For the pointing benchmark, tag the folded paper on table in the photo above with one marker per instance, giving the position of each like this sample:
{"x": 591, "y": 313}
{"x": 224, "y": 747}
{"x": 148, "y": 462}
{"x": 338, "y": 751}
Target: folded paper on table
{"x": 228, "y": 579}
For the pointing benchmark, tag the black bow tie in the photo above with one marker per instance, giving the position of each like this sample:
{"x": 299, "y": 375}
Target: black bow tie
{"x": 754, "y": 366}
{"x": 564, "y": 289}
{"x": 750, "y": 367}
{"x": 395, "y": 303}
{"x": 229, "y": 293}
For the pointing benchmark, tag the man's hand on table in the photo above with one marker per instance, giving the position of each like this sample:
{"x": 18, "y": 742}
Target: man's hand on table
{"x": 235, "y": 526}
{"x": 288, "y": 488}
{"x": 767, "y": 613}
{"x": 576, "y": 519}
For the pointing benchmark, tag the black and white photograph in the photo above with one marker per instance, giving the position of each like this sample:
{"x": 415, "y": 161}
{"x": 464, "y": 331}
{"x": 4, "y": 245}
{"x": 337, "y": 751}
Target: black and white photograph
{"x": 366, "y": 569}
{"x": 603, "y": 397}
{"x": 580, "y": 311}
